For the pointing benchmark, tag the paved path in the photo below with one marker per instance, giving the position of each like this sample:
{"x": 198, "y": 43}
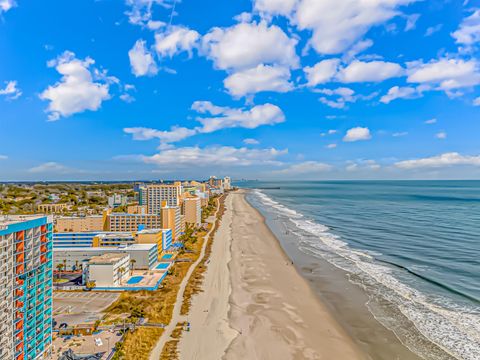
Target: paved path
{"x": 176, "y": 317}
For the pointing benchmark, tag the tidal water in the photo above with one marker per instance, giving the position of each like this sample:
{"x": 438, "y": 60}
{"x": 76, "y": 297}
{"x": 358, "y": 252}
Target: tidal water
{"x": 414, "y": 245}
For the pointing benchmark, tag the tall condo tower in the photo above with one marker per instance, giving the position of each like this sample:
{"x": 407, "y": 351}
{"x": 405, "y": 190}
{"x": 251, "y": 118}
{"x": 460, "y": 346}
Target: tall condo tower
{"x": 25, "y": 287}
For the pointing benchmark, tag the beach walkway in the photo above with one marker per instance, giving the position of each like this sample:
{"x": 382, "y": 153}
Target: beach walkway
{"x": 176, "y": 317}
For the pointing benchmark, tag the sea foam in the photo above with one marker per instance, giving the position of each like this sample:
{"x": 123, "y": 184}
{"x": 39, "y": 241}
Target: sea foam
{"x": 453, "y": 328}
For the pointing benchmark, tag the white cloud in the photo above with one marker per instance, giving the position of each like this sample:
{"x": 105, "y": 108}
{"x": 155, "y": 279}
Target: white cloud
{"x": 141, "y": 60}
{"x": 176, "y": 39}
{"x": 6, "y": 5}
{"x": 11, "y": 91}
{"x": 433, "y": 29}
{"x": 331, "y": 146}
{"x": 275, "y": 7}
{"x": 251, "y": 141}
{"x": 258, "y": 79}
{"x": 76, "y": 91}
{"x": 51, "y": 167}
{"x": 225, "y": 117}
{"x": 175, "y": 134}
{"x": 321, "y": 72}
{"x": 443, "y": 160}
{"x": 431, "y": 121}
{"x": 411, "y": 21}
{"x": 140, "y": 11}
{"x": 337, "y": 25}
{"x": 476, "y": 102}
{"x": 220, "y": 118}
{"x": 215, "y": 155}
{"x": 446, "y": 74}
{"x": 441, "y": 135}
{"x": 362, "y": 165}
{"x": 244, "y": 46}
{"x": 469, "y": 32}
{"x": 373, "y": 71}
{"x": 357, "y": 134}
{"x": 400, "y": 134}
{"x": 338, "y": 98}
{"x": 307, "y": 167}
{"x": 397, "y": 92}
{"x": 3, "y": 157}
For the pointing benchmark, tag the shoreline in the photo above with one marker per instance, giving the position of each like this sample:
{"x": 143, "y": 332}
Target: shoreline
{"x": 255, "y": 304}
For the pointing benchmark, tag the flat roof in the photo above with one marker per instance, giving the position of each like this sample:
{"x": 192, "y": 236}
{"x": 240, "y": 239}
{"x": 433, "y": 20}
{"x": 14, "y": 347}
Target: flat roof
{"x": 132, "y": 247}
{"x": 108, "y": 258}
{"x": 6, "y": 220}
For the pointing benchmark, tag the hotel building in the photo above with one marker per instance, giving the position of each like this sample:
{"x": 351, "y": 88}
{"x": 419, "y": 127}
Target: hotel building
{"x": 25, "y": 287}
{"x": 132, "y": 222}
{"x": 158, "y": 194}
{"x": 192, "y": 210}
{"x": 173, "y": 219}
{"x": 79, "y": 224}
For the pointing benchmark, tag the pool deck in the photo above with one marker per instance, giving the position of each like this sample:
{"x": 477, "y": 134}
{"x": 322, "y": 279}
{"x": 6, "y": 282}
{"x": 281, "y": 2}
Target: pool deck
{"x": 151, "y": 280}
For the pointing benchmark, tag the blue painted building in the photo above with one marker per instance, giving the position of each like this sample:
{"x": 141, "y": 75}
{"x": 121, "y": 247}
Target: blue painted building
{"x": 26, "y": 287}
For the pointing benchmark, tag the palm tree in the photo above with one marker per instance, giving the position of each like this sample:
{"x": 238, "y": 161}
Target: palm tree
{"x": 132, "y": 264}
{"x": 121, "y": 271}
{"x": 59, "y": 268}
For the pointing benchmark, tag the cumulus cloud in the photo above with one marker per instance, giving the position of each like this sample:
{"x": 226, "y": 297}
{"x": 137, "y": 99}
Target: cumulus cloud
{"x": 215, "y": 155}
{"x": 331, "y": 146}
{"x": 397, "y": 92}
{"x": 213, "y": 118}
{"x": 6, "y": 5}
{"x": 431, "y": 121}
{"x": 275, "y": 7}
{"x": 141, "y": 60}
{"x": 357, "y": 134}
{"x": 476, "y": 101}
{"x": 258, "y": 79}
{"x": 246, "y": 45}
{"x": 76, "y": 91}
{"x": 445, "y": 74}
{"x": 338, "y": 98}
{"x": 322, "y": 72}
{"x": 11, "y": 91}
{"x": 443, "y": 160}
{"x": 373, "y": 71}
{"x": 307, "y": 167}
{"x": 337, "y": 25}
{"x": 175, "y": 134}
{"x": 3, "y": 157}
{"x": 226, "y": 117}
{"x": 400, "y": 134}
{"x": 468, "y": 33}
{"x": 175, "y": 40}
{"x": 441, "y": 135}
{"x": 140, "y": 11}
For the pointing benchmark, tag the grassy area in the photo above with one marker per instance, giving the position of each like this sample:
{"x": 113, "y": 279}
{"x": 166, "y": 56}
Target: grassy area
{"x": 170, "y": 350}
{"x": 156, "y": 306}
{"x": 195, "y": 282}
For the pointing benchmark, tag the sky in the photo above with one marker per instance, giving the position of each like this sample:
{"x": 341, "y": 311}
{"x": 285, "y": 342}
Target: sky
{"x": 261, "y": 89}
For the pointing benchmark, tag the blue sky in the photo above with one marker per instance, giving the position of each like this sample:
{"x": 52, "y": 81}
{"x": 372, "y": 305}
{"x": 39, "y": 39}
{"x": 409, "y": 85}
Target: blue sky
{"x": 284, "y": 89}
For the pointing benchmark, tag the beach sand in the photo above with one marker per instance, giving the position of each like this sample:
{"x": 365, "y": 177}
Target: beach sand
{"x": 255, "y": 305}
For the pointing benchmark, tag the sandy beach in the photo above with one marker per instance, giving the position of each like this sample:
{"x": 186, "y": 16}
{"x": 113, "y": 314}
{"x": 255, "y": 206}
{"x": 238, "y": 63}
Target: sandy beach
{"x": 255, "y": 305}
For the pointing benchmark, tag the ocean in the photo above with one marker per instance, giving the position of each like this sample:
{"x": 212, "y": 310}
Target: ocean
{"x": 412, "y": 246}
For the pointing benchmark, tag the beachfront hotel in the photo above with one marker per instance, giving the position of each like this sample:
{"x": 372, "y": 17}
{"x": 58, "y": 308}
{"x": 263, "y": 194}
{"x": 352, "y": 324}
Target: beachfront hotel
{"x": 192, "y": 210}
{"x": 159, "y": 194}
{"x": 25, "y": 287}
{"x": 132, "y": 222}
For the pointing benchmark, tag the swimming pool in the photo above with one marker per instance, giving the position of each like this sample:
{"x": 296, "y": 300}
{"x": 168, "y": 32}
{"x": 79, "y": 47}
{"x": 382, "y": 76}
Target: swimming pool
{"x": 134, "y": 280}
{"x": 162, "y": 266}
{"x": 167, "y": 256}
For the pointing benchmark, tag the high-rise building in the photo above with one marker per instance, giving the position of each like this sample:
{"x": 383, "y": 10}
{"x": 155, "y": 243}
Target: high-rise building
{"x": 172, "y": 219}
{"x": 25, "y": 287}
{"x": 227, "y": 183}
{"x": 132, "y": 222}
{"x": 192, "y": 210}
{"x": 157, "y": 194}
{"x": 80, "y": 223}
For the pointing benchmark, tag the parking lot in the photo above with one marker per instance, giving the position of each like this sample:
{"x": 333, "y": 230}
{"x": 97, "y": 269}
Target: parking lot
{"x": 76, "y": 308}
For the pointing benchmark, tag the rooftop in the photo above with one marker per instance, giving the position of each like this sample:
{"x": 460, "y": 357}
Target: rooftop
{"x": 108, "y": 258}
{"x": 6, "y": 220}
{"x": 132, "y": 247}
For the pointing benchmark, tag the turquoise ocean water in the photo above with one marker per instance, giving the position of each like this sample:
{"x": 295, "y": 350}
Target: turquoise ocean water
{"x": 412, "y": 244}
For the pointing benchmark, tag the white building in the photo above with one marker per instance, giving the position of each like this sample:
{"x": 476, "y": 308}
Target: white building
{"x": 117, "y": 200}
{"x": 143, "y": 256}
{"x": 227, "y": 183}
{"x": 109, "y": 270}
